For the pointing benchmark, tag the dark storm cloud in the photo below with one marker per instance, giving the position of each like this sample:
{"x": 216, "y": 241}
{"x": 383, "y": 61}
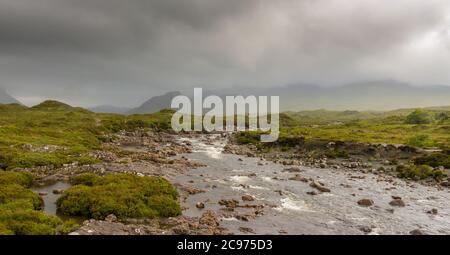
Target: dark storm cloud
{"x": 114, "y": 51}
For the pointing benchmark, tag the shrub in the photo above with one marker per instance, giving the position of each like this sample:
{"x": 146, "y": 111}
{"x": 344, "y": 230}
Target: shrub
{"x": 88, "y": 179}
{"x": 14, "y": 219}
{"x": 419, "y": 141}
{"x": 434, "y": 160}
{"x": 420, "y": 172}
{"x": 124, "y": 195}
{"x": 442, "y": 116}
{"x": 4, "y": 230}
{"x": 251, "y": 137}
{"x": 336, "y": 153}
{"x": 20, "y": 178}
{"x": 13, "y": 192}
{"x": 19, "y": 207}
{"x": 68, "y": 227}
{"x": 418, "y": 117}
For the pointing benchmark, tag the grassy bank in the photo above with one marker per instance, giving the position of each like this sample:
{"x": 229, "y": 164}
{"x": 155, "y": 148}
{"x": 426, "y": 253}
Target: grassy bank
{"x": 53, "y": 133}
{"x": 309, "y": 133}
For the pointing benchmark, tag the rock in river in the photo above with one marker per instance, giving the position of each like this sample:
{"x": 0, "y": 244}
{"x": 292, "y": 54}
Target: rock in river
{"x": 248, "y": 198}
{"x": 200, "y": 205}
{"x": 319, "y": 187}
{"x": 397, "y": 202}
{"x": 365, "y": 202}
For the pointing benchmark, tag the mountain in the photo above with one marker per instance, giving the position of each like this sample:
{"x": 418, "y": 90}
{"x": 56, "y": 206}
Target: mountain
{"x": 5, "y": 98}
{"x": 155, "y": 104}
{"x": 109, "y": 109}
{"x": 375, "y": 95}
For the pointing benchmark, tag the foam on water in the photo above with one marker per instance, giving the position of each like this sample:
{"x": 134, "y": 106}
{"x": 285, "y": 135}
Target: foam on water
{"x": 239, "y": 179}
{"x": 293, "y": 205}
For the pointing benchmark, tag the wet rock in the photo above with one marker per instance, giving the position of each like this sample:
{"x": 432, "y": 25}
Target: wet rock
{"x": 445, "y": 184}
{"x": 209, "y": 218}
{"x": 239, "y": 159}
{"x": 297, "y": 177}
{"x": 229, "y": 203}
{"x": 397, "y": 202}
{"x": 365, "y": 229}
{"x": 43, "y": 193}
{"x": 433, "y": 211}
{"x": 200, "y": 205}
{"x": 111, "y": 218}
{"x": 190, "y": 190}
{"x": 365, "y": 202}
{"x": 242, "y": 217}
{"x": 252, "y": 175}
{"x": 317, "y": 185}
{"x": 248, "y": 198}
{"x": 246, "y": 230}
{"x": 58, "y": 191}
{"x": 312, "y": 193}
{"x": 280, "y": 192}
{"x": 292, "y": 170}
{"x": 417, "y": 232}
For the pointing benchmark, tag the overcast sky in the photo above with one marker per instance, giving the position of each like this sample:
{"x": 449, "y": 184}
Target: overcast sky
{"x": 121, "y": 52}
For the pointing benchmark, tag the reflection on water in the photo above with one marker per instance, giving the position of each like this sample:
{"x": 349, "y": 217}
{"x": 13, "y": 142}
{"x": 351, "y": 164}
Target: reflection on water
{"x": 50, "y": 198}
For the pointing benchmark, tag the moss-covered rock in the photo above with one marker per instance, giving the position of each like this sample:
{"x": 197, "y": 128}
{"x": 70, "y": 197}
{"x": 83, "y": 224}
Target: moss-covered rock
{"x": 18, "y": 220}
{"x": 434, "y": 160}
{"x": 124, "y": 195}
{"x": 420, "y": 172}
{"x": 20, "y": 208}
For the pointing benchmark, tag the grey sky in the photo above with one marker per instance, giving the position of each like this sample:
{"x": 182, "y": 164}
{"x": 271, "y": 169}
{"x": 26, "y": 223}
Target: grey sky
{"x": 90, "y": 52}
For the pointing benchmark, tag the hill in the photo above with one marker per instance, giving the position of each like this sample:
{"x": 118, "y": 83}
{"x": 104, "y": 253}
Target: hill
{"x": 155, "y": 104}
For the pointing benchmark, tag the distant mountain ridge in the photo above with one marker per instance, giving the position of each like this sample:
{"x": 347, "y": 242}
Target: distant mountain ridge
{"x": 376, "y": 95}
{"x": 5, "y": 98}
{"x": 383, "y": 95}
{"x": 155, "y": 104}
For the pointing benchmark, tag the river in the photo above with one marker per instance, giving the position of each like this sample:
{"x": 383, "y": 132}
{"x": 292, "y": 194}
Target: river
{"x": 288, "y": 209}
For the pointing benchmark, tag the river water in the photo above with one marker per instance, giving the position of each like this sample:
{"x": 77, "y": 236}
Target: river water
{"x": 290, "y": 210}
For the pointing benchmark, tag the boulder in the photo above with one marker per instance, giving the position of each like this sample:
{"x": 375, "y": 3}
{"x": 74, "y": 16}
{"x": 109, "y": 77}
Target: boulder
{"x": 319, "y": 187}
{"x": 365, "y": 202}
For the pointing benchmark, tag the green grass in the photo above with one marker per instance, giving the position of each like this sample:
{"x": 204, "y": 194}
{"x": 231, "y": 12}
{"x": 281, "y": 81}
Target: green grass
{"x": 370, "y": 127}
{"x": 420, "y": 172}
{"x": 434, "y": 160}
{"x": 124, "y": 195}
{"x": 75, "y": 132}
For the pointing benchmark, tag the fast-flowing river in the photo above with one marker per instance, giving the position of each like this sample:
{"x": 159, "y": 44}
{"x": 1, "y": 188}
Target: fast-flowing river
{"x": 288, "y": 209}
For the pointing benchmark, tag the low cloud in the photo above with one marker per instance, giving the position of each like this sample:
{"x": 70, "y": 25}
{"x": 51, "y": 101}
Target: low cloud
{"x": 107, "y": 51}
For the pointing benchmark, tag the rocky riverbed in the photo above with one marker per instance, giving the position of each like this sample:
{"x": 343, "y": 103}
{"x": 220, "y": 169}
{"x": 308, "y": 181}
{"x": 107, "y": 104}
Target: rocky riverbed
{"x": 229, "y": 189}
{"x": 256, "y": 196}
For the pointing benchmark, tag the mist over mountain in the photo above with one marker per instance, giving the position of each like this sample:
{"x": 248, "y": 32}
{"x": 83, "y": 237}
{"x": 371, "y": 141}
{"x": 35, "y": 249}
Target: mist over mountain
{"x": 155, "y": 104}
{"x": 373, "y": 95}
{"x": 5, "y": 98}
